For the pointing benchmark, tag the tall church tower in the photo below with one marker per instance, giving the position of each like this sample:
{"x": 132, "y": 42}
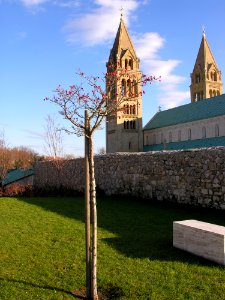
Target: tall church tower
{"x": 124, "y": 129}
{"x": 206, "y": 79}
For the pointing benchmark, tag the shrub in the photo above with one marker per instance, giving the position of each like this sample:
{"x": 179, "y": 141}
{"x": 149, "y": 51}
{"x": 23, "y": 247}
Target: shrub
{"x": 16, "y": 189}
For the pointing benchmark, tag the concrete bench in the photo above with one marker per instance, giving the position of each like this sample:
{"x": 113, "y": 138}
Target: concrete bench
{"x": 200, "y": 238}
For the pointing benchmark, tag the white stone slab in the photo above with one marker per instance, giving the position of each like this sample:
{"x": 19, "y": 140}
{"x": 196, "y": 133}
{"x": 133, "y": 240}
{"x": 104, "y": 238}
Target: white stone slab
{"x": 200, "y": 238}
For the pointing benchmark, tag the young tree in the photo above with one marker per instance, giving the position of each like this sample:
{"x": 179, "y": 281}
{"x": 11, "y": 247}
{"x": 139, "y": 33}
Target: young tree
{"x": 97, "y": 105}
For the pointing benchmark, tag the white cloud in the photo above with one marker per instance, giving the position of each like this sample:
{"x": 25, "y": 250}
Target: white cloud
{"x": 148, "y": 46}
{"x": 62, "y": 3}
{"x": 32, "y": 3}
{"x": 172, "y": 98}
{"x": 94, "y": 28}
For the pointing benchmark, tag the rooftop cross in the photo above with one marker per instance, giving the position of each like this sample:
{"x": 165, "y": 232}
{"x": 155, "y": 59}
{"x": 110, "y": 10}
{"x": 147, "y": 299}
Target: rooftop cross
{"x": 121, "y": 13}
{"x": 203, "y": 30}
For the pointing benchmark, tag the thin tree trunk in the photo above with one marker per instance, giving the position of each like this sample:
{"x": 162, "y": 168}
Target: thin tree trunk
{"x": 87, "y": 211}
{"x": 94, "y": 293}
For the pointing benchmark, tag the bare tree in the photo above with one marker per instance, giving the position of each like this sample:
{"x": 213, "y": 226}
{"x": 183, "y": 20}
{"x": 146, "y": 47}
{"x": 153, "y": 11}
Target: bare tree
{"x": 101, "y": 151}
{"x": 5, "y": 157}
{"x": 53, "y": 138}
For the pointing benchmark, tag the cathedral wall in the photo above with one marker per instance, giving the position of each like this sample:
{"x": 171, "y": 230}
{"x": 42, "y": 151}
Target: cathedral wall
{"x": 194, "y": 177}
{"x": 187, "y": 131}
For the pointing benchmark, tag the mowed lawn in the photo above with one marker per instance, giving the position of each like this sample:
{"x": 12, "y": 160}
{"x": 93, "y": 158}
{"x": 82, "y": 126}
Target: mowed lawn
{"x": 42, "y": 251}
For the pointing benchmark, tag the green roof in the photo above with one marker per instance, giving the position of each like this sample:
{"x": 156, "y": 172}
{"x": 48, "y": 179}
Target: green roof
{"x": 189, "y": 144}
{"x": 15, "y": 175}
{"x": 204, "y": 109}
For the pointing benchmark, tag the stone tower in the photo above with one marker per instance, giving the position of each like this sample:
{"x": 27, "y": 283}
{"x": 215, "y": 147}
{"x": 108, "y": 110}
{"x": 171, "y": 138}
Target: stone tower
{"x": 206, "y": 79}
{"x": 124, "y": 129}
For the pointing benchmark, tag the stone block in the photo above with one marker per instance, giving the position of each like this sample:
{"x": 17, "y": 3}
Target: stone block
{"x": 200, "y": 238}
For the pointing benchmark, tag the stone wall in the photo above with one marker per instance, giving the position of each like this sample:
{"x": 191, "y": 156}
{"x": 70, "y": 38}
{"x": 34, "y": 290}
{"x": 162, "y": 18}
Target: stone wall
{"x": 194, "y": 176}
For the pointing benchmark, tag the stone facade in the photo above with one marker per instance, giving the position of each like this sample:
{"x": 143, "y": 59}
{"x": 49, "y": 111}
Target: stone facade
{"x": 194, "y": 177}
{"x": 124, "y": 130}
{"x": 206, "y": 81}
{"x": 201, "y": 129}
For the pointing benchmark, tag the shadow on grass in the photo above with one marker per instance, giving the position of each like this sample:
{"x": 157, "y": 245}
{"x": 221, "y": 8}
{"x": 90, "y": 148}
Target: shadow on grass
{"x": 142, "y": 229}
{"x": 45, "y": 287}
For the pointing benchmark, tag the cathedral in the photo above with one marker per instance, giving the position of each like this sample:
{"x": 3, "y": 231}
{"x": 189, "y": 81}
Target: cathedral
{"x": 199, "y": 124}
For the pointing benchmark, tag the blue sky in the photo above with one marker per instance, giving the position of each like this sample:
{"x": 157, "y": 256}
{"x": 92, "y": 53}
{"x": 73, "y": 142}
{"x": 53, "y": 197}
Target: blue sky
{"x": 44, "y": 42}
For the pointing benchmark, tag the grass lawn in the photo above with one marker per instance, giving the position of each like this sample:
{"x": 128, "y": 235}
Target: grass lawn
{"x": 42, "y": 251}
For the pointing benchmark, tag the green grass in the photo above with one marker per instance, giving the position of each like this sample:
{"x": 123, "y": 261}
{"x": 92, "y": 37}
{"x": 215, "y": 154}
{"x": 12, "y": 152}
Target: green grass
{"x": 42, "y": 251}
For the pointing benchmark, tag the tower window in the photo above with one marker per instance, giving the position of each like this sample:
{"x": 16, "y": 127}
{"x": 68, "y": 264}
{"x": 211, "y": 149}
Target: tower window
{"x": 131, "y": 64}
{"x": 197, "y": 78}
{"x": 210, "y": 93}
{"x": 123, "y": 88}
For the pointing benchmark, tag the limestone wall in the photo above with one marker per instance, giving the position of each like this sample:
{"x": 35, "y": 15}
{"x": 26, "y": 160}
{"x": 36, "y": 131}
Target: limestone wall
{"x": 191, "y": 176}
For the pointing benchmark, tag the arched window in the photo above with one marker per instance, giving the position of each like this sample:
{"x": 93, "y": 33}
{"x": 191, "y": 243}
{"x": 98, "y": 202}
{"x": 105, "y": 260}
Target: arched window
{"x": 210, "y": 93}
{"x": 123, "y": 87}
{"x": 134, "y": 124}
{"x": 129, "y": 86}
{"x": 203, "y": 132}
{"x": 197, "y": 78}
{"x": 217, "y": 131}
{"x": 131, "y": 64}
{"x": 127, "y": 109}
{"x": 218, "y": 93}
{"x": 215, "y": 76}
{"x": 126, "y": 63}
{"x": 132, "y": 109}
{"x": 131, "y": 124}
{"x": 125, "y": 124}
{"x": 179, "y": 135}
{"x": 170, "y": 137}
{"x": 189, "y": 134}
{"x": 135, "y": 88}
{"x": 211, "y": 76}
{"x": 146, "y": 140}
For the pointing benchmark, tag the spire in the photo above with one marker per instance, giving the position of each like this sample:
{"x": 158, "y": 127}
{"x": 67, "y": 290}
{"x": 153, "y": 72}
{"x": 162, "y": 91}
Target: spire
{"x": 205, "y": 57}
{"x": 122, "y": 41}
{"x": 206, "y": 79}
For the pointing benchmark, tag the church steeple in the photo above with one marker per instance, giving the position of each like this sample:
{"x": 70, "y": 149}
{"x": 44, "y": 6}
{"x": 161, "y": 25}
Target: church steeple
{"x": 122, "y": 43}
{"x": 206, "y": 79}
{"x": 124, "y": 131}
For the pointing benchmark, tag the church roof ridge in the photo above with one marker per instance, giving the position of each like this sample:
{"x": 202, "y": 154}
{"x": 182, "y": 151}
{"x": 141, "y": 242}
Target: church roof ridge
{"x": 204, "y": 109}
